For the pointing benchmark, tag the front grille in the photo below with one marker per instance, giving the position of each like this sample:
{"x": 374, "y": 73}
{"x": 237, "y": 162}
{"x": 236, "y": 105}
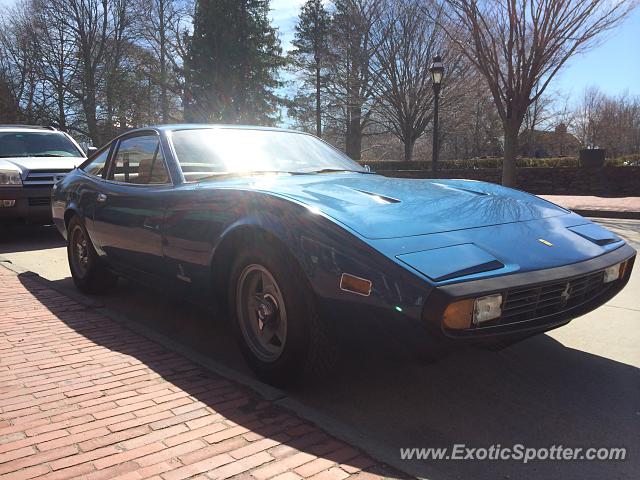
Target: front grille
{"x": 40, "y": 178}
{"x": 540, "y": 301}
{"x": 39, "y": 201}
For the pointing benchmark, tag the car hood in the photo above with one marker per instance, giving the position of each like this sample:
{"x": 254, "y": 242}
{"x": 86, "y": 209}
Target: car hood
{"x": 380, "y": 207}
{"x": 27, "y": 164}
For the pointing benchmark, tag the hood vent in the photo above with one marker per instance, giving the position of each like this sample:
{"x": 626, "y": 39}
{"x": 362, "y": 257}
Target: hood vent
{"x": 596, "y": 234}
{"x": 377, "y": 197}
{"x": 445, "y": 263}
{"x": 461, "y": 189}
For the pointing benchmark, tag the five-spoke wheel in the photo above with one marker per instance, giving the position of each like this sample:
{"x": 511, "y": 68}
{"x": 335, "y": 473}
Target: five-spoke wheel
{"x": 261, "y": 312}
{"x": 80, "y": 251}
{"x": 275, "y": 316}
{"x": 88, "y": 272}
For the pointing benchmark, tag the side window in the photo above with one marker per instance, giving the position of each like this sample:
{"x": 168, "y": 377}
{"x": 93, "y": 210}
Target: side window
{"x": 139, "y": 160}
{"x": 96, "y": 166}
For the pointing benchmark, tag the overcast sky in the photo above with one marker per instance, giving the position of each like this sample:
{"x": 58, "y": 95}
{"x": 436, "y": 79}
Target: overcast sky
{"x": 613, "y": 66}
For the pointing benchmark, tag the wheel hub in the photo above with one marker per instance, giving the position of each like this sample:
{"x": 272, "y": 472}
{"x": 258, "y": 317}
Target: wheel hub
{"x": 267, "y": 311}
{"x": 82, "y": 252}
{"x": 80, "y": 257}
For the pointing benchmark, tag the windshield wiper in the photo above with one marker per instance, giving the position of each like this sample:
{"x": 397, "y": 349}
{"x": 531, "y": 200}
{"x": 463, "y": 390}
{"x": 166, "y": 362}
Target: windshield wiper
{"x": 334, "y": 170}
{"x": 36, "y": 155}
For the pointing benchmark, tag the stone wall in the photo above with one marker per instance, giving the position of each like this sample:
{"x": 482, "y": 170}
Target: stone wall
{"x": 602, "y": 182}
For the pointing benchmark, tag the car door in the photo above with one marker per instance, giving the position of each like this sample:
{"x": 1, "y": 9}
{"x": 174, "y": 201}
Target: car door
{"x": 86, "y": 192}
{"x": 129, "y": 210}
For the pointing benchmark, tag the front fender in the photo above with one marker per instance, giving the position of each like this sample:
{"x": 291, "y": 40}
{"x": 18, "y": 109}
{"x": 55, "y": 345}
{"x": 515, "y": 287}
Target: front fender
{"x": 325, "y": 250}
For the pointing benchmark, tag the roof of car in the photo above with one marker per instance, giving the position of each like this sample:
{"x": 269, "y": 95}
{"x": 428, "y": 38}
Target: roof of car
{"x": 189, "y": 126}
{"x": 27, "y": 127}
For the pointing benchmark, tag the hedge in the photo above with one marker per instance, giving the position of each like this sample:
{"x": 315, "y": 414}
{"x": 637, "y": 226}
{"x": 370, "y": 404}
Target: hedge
{"x": 496, "y": 162}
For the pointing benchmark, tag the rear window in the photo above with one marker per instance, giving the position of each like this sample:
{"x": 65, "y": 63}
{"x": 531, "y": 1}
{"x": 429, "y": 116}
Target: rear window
{"x": 37, "y": 144}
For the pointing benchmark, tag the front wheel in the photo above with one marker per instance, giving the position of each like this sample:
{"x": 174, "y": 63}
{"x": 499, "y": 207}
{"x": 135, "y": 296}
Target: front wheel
{"x": 276, "y": 319}
{"x": 88, "y": 272}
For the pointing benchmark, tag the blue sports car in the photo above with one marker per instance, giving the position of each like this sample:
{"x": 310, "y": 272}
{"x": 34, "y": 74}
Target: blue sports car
{"x": 305, "y": 247}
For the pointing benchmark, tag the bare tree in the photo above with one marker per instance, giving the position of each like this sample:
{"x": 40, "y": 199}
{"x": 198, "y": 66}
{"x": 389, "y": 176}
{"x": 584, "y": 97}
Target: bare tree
{"x": 88, "y": 24}
{"x": 9, "y": 108}
{"x": 351, "y": 72}
{"x": 520, "y": 45}
{"x": 609, "y": 122}
{"x": 407, "y": 40}
{"x": 114, "y": 95}
{"x": 18, "y": 60}
{"x": 539, "y": 113}
{"x": 587, "y": 113}
{"x": 162, "y": 24}
{"x": 57, "y": 63}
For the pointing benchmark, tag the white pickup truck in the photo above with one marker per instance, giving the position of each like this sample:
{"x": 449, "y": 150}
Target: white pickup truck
{"x": 32, "y": 159}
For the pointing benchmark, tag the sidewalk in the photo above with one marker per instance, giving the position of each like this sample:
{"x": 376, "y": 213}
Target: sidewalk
{"x": 625, "y": 207}
{"x": 83, "y": 397}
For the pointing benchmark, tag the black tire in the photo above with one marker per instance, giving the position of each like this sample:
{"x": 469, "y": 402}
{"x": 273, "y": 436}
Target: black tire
{"x": 87, "y": 270}
{"x": 310, "y": 350}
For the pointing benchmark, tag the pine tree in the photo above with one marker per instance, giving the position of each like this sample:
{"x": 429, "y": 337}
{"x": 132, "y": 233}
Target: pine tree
{"x": 233, "y": 61}
{"x": 311, "y": 50}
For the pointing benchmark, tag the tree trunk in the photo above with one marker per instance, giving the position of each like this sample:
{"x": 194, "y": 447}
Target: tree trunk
{"x": 187, "y": 99}
{"x": 510, "y": 153}
{"x": 62, "y": 114}
{"x": 164, "y": 103}
{"x": 318, "y": 110}
{"x": 354, "y": 133}
{"x": 89, "y": 106}
{"x": 408, "y": 150}
{"x": 92, "y": 124}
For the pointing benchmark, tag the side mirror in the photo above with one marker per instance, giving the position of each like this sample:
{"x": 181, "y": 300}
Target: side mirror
{"x": 91, "y": 150}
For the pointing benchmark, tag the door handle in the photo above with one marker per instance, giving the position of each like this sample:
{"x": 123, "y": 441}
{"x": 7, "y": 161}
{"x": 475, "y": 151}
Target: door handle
{"x": 102, "y": 198}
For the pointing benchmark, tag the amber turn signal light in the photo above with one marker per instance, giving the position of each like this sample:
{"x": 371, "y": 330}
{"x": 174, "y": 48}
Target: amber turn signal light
{"x": 353, "y": 284}
{"x": 458, "y": 314}
{"x": 623, "y": 268}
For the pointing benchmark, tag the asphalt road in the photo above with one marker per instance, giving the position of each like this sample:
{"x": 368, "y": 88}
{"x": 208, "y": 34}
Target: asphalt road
{"x": 576, "y": 386}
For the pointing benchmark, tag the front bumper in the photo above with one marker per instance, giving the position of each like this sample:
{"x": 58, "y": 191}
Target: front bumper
{"x": 441, "y": 297}
{"x": 33, "y": 204}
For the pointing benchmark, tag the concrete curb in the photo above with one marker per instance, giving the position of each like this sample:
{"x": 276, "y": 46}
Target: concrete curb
{"x": 332, "y": 426}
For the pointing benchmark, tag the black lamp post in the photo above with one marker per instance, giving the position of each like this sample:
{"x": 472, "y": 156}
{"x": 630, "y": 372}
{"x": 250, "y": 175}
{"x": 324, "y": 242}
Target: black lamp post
{"x": 437, "y": 72}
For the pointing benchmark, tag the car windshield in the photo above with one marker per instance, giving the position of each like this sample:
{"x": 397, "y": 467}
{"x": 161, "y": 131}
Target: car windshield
{"x": 36, "y": 144}
{"x": 220, "y": 152}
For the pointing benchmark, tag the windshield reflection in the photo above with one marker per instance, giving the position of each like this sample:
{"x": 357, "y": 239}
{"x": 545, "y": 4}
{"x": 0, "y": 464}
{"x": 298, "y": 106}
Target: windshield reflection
{"x": 205, "y": 153}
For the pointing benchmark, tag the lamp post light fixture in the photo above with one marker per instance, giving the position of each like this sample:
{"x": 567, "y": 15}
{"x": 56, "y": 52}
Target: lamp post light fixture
{"x": 437, "y": 72}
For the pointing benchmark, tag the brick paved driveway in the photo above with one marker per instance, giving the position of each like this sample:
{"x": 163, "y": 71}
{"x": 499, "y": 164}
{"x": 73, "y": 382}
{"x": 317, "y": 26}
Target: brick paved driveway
{"x": 83, "y": 397}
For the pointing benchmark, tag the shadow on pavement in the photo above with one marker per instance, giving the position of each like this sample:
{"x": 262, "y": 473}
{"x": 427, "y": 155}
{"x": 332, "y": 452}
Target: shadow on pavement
{"x": 236, "y": 403}
{"x": 538, "y": 393}
{"x": 25, "y": 238}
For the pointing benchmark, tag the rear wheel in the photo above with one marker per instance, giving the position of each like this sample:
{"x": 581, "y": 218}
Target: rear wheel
{"x": 88, "y": 272}
{"x": 275, "y": 318}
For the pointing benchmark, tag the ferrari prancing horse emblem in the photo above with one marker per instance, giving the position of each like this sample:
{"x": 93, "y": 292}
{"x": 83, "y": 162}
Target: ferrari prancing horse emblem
{"x": 545, "y": 242}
